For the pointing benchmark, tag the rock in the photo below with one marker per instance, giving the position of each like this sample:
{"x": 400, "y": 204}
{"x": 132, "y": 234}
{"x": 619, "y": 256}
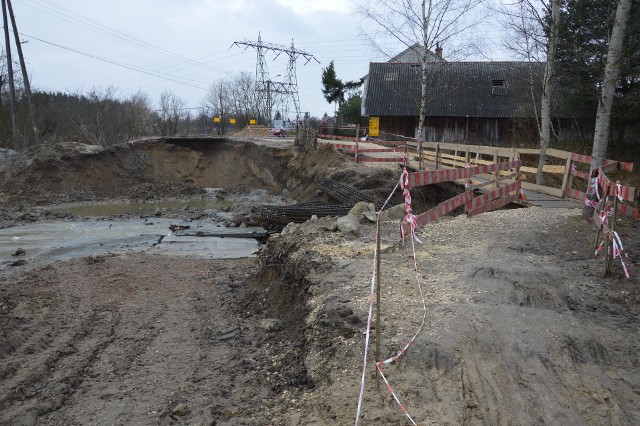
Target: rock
{"x": 394, "y": 213}
{"x": 18, "y": 262}
{"x": 270, "y": 324}
{"x": 19, "y": 252}
{"x": 313, "y": 218}
{"x": 289, "y": 229}
{"x": 331, "y": 226}
{"x": 359, "y": 209}
{"x": 370, "y": 216}
{"x": 180, "y": 409}
{"x": 158, "y": 212}
{"x": 286, "y": 193}
{"x": 242, "y": 225}
{"x": 348, "y": 223}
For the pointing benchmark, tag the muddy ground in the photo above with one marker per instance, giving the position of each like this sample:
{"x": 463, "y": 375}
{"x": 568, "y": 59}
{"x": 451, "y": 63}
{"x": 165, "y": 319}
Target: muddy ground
{"x": 521, "y": 326}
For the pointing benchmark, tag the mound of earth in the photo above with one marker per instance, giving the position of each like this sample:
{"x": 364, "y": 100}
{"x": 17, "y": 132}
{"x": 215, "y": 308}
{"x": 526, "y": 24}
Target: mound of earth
{"x": 254, "y": 132}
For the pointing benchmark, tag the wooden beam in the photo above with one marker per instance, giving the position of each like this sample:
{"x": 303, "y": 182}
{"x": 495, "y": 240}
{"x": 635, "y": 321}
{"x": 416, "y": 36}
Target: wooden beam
{"x": 556, "y": 192}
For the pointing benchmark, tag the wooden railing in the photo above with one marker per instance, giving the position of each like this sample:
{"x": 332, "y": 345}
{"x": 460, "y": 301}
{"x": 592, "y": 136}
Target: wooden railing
{"x": 447, "y": 155}
{"x": 566, "y": 166}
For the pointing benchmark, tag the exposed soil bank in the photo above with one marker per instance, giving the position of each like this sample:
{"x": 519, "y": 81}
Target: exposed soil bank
{"x": 521, "y": 327}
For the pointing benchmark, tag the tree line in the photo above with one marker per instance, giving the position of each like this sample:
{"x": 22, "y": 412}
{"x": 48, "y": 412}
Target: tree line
{"x": 100, "y": 116}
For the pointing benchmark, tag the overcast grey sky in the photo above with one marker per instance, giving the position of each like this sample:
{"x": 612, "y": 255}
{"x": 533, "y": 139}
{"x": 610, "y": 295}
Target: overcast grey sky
{"x": 188, "y": 43}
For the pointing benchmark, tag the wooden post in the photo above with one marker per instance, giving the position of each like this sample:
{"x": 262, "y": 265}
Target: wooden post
{"x": 613, "y": 228}
{"x": 467, "y": 157}
{"x": 377, "y": 294}
{"x": 496, "y": 175}
{"x": 420, "y": 163}
{"x": 607, "y": 241}
{"x": 437, "y": 156}
{"x": 357, "y": 145}
{"x": 566, "y": 181}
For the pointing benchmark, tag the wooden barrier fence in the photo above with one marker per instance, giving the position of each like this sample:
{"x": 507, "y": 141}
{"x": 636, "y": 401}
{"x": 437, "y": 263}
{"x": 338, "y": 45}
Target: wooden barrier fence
{"x": 449, "y": 156}
{"x": 488, "y": 201}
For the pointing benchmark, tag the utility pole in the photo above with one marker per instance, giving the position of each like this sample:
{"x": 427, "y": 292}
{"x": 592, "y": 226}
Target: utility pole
{"x": 25, "y": 77}
{"x": 12, "y": 91}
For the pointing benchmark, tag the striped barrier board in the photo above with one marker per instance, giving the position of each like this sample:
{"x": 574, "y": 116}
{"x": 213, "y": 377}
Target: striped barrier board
{"x": 352, "y": 147}
{"x": 437, "y": 176}
{"x": 352, "y": 150}
{"x": 337, "y": 145}
{"x": 364, "y": 159}
{"x": 574, "y": 193}
{"x": 578, "y": 173}
{"x": 609, "y": 188}
{"x": 627, "y": 211}
{"x": 439, "y": 211}
{"x": 581, "y": 158}
{"x": 497, "y": 193}
{"x": 494, "y": 204}
{"x": 336, "y": 137}
{"x": 383, "y": 142}
{"x": 610, "y": 166}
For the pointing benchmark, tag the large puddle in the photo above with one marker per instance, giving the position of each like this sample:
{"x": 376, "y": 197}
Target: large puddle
{"x": 96, "y": 232}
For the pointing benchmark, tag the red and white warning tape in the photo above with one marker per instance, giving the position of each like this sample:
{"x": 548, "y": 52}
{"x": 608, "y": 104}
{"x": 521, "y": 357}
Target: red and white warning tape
{"x": 404, "y": 184}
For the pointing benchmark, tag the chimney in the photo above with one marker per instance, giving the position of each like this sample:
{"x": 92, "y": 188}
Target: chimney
{"x": 438, "y": 51}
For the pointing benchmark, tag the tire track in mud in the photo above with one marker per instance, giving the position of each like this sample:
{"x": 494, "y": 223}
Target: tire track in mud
{"x": 55, "y": 365}
{"x": 143, "y": 339}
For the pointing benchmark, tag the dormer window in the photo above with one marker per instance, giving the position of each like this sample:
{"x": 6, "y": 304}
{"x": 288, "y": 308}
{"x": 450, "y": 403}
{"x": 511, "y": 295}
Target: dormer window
{"x": 499, "y": 87}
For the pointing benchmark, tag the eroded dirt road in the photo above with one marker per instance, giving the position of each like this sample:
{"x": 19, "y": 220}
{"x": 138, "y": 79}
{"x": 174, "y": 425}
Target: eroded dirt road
{"x": 137, "y": 339}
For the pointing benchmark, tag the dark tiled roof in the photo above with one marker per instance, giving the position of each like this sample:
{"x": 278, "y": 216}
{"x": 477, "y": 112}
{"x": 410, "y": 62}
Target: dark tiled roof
{"x": 456, "y": 89}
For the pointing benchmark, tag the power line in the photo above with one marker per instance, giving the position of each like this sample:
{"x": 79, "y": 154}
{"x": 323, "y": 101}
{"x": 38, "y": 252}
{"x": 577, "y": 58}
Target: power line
{"x": 66, "y": 14}
{"x": 120, "y": 64}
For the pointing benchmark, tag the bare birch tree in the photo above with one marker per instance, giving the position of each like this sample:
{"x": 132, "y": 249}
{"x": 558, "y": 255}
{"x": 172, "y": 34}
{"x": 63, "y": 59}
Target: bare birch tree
{"x": 424, "y": 23}
{"x": 547, "y": 87}
{"x": 611, "y": 72}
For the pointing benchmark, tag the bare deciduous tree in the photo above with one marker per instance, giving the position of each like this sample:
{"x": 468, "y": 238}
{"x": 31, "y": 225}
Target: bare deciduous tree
{"x": 233, "y": 96}
{"x": 218, "y": 101}
{"x": 170, "y": 113}
{"x": 530, "y": 36}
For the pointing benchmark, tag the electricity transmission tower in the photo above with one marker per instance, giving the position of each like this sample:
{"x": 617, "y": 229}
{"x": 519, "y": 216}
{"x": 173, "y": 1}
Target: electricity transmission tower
{"x": 278, "y": 94}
